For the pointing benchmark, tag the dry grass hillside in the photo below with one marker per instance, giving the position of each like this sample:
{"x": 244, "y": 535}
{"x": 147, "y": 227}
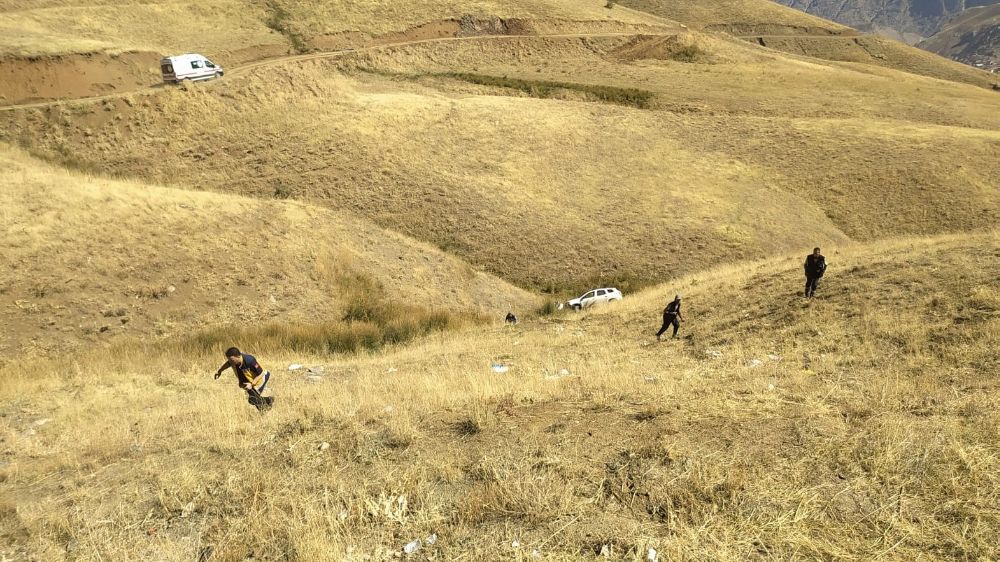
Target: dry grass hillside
{"x": 86, "y": 262}
{"x": 227, "y": 29}
{"x": 562, "y": 162}
{"x": 740, "y": 17}
{"x": 858, "y": 425}
{"x": 774, "y": 26}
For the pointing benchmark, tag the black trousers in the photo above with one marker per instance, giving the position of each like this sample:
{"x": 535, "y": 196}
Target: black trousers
{"x": 669, "y": 320}
{"x": 811, "y": 283}
{"x": 260, "y": 402}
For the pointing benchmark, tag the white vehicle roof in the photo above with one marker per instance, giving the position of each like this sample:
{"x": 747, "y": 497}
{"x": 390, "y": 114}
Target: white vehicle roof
{"x": 186, "y": 56}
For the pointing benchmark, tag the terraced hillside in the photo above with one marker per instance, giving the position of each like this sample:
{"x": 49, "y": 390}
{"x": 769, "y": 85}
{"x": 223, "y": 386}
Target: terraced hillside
{"x": 560, "y": 162}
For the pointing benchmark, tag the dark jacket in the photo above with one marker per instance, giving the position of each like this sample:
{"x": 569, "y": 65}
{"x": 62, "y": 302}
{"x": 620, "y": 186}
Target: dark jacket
{"x": 673, "y": 309}
{"x": 815, "y": 265}
{"x": 248, "y": 371}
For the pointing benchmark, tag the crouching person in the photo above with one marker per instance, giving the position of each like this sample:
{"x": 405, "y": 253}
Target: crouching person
{"x": 250, "y": 376}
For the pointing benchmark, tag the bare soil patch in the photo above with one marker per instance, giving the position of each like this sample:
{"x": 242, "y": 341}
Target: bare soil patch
{"x": 28, "y": 79}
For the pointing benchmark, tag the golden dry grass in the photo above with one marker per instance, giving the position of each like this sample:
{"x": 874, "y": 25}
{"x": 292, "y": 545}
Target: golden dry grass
{"x": 224, "y": 28}
{"x": 548, "y": 193}
{"x": 82, "y": 254}
{"x": 870, "y": 433}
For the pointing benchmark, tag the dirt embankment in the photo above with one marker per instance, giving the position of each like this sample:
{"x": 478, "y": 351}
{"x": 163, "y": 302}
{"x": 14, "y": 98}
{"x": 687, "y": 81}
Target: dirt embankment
{"x": 744, "y": 29}
{"x": 43, "y": 78}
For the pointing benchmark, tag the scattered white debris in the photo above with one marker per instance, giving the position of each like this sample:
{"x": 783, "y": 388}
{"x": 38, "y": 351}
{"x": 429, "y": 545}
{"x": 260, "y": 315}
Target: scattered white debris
{"x": 294, "y": 367}
{"x": 392, "y": 370}
{"x": 770, "y": 387}
{"x": 42, "y": 421}
{"x": 755, "y": 363}
{"x": 500, "y": 368}
{"x": 317, "y": 370}
{"x": 536, "y": 553}
{"x": 606, "y": 551}
{"x": 343, "y": 514}
{"x": 273, "y": 300}
{"x": 388, "y": 409}
{"x": 774, "y": 357}
{"x": 313, "y": 378}
{"x": 558, "y": 374}
{"x": 431, "y": 539}
{"x": 652, "y": 555}
{"x": 187, "y": 509}
{"x": 713, "y": 353}
{"x": 171, "y": 289}
{"x": 651, "y": 380}
{"x": 324, "y": 446}
{"x": 515, "y": 544}
{"x": 412, "y": 546}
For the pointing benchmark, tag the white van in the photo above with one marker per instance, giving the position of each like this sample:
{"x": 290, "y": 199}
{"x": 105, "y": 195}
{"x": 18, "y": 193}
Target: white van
{"x": 188, "y": 67}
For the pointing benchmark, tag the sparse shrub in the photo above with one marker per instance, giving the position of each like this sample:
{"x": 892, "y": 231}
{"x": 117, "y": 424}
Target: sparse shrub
{"x": 547, "y": 309}
{"x": 687, "y": 53}
{"x": 279, "y": 21}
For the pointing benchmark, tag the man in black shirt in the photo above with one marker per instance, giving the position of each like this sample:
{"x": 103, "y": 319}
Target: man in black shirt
{"x": 815, "y": 267}
{"x": 250, "y": 376}
{"x": 671, "y": 317}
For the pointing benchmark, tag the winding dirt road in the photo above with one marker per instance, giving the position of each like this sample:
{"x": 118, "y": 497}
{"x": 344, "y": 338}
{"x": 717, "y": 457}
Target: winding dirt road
{"x": 243, "y": 69}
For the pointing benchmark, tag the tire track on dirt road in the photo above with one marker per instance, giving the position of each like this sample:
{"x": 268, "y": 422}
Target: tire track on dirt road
{"x": 291, "y": 59}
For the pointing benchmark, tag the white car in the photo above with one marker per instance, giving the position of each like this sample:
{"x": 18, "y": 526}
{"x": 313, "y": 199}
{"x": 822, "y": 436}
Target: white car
{"x": 596, "y": 296}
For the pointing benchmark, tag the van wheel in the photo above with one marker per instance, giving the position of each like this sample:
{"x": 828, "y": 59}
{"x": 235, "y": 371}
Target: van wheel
{"x": 218, "y": 75}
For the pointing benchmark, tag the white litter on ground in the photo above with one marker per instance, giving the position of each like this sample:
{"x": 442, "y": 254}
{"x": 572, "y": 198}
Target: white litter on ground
{"x": 412, "y": 546}
{"x": 500, "y": 368}
{"x": 295, "y": 367}
{"x": 755, "y": 363}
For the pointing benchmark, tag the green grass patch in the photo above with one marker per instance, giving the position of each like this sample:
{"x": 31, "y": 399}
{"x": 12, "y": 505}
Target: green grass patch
{"x": 632, "y": 97}
{"x": 368, "y": 322}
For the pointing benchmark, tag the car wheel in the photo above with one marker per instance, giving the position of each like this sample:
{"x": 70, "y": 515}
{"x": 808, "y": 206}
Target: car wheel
{"x": 577, "y": 307}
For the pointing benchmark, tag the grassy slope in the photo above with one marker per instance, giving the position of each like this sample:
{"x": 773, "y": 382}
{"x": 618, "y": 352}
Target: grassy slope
{"x": 798, "y": 33}
{"x": 873, "y": 433}
{"x": 81, "y": 253}
{"x": 222, "y": 27}
{"x": 548, "y": 191}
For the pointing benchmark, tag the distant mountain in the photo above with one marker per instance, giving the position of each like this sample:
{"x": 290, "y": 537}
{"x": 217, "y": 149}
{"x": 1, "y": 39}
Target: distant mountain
{"x": 907, "y": 20}
{"x": 972, "y": 38}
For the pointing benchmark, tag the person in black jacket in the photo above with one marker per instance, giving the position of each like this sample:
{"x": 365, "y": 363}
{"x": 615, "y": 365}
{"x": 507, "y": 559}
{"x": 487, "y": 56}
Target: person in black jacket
{"x": 671, "y": 317}
{"x": 815, "y": 267}
{"x": 250, "y": 376}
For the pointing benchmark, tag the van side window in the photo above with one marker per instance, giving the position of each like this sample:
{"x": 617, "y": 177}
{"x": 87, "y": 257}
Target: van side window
{"x": 196, "y": 64}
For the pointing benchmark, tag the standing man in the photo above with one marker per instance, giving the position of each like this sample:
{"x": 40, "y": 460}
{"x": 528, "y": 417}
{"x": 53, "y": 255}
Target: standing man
{"x": 250, "y": 376}
{"x": 671, "y": 317}
{"x": 815, "y": 267}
